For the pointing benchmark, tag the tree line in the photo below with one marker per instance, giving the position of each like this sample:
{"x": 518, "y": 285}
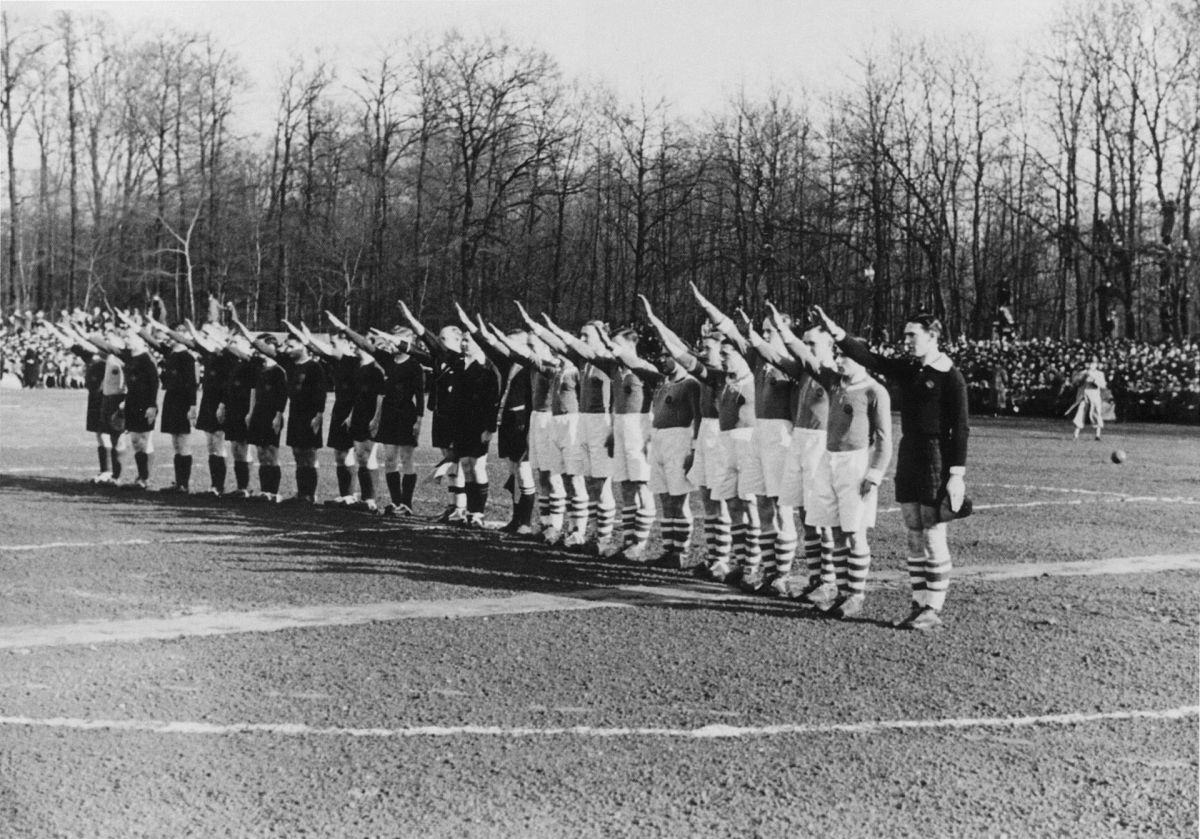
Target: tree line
{"x": 470, "y": 169}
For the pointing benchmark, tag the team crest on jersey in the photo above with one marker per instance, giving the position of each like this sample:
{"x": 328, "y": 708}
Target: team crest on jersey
{"x": 847, "y": 409}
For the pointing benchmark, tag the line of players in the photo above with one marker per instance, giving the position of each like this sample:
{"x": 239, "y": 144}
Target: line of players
{"x": 768, "y": 427}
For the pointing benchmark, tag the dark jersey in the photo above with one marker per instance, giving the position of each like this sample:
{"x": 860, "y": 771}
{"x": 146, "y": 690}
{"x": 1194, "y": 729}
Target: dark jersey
{"x": 179, "y": 391}
{"x": 369, "y": 382}
{"x": 403, "y": 400}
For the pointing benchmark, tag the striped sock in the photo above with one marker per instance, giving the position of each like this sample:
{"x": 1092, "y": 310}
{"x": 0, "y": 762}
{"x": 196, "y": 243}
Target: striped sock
{"x": 738, "y": 543}
{"x": 722, "y": 543}
{"x": 629, "y": 524}
{"x": 785, "y": 552}
{"x": 577, "y": 514}
{"x": 686, "y": 526}
{"x": 841, "y": 554}
{"x": 606, "y": 520}
{"x": 643, "y": 521}
{"x": 766, "y": 548}
{"x": 812, "y": 554}
{"x": 937, "y": 568}
{"x": 753, "y": 545}
{"x": 828, "y": 570}
{"x": 544, "y": 505}
{"x": 860, "y": 566}
{"x": 557, "y": 512}
{"x": 916, "y": 578}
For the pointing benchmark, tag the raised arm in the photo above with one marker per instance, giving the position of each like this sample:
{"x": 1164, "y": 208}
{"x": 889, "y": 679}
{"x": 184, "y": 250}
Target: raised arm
{"x": 856, "y": 349}
{"x": 722, "y": 321}
{"x": 551, "y": 340}
{"x": 317, "y": 345}
{"x": 359, "y": 341}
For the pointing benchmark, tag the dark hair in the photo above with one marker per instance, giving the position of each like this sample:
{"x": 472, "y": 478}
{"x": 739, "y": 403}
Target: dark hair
{"x": 926, "y": 321}
{"x": 627, "y": 332}
{"x": 268, "y": 338}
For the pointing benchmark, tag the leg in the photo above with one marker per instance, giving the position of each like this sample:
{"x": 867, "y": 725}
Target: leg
{"x": 217, "y": 466}
{"x": 306, "y": 474}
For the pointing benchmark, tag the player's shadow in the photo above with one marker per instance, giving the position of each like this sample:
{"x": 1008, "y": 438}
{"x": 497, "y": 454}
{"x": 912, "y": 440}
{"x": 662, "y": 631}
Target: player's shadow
{"x": 285, "y": 539}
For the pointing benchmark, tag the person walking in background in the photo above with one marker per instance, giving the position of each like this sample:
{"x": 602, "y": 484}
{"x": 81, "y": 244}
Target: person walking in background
{"x": 1087, "y": 407}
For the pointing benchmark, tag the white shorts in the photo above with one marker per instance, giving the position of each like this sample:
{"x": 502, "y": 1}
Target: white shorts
{"x": 837, "y": 500}
{"x": 774, "y": 439}
{"x": 593, "y": 446}
{"x": 669, "y": 448}
{"x": 541, "y": 441}
{"x": 563, "y": 451}
{"x": 631, "y": 437}
{"x": 741, "y": 470}
{"x": 706, "y": 467}
{"x": 808, "y": 447}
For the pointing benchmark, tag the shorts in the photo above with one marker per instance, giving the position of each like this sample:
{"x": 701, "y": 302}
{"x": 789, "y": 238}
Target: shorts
{"x": 443, "y": 431}
{"x": 774, "y": 439}
{"x": 397, "y": 430}
{"x": 594, "y": 431}
{"x": 541, "y": 440}
{"x": 803, "y": 459}
{"x": 300, "y": 434}
{"x": 564, "y": 446}
{"x": 837, "y": 500}
{"x": 206, "y": 414}
{"x": 470, "y": 442}
{"x": 235, "y": 424}
{"x": 631, "y": 437}
{"x": 919, "y": 472}
{"x": 174, "y": 419}
{"x": 512, "y": 440}
{"x": 706, "y": 467}
{"x": 669, "y": 448}
{"x": 339, "y": 438}
{"x": 741, "y": 469}
{"x": 261, "y": 431}
{"x": 135, "y": 419}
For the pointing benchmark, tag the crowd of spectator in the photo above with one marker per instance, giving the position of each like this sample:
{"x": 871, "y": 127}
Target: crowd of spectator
{"x": 1038, "y": 377}
{"x": 1148, "y": 382}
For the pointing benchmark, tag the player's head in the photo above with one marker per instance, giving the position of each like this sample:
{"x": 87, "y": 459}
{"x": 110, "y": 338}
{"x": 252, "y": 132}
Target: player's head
{"x": 849, "y": 369}
{"x": 452, "y": 338}
{"x": 135, "y": 343}
{"x": 537, "y": 346}
{"x": 294, "y": 348}
{"x": 590, "y": 332}
{"x": 819, "y": 342}
{"x": 401, "y": 341}
{"x": 342, "y": 344}
{"x": 626, "y": 338}
{"x": 921, "y": 334}
{"x": 471, "y": 348}
{"x": 771, "y": 334}
{"x": 733, "y": 361}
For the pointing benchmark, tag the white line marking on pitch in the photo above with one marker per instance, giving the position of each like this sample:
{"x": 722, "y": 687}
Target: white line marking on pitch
{"x": 274, "y": 620}
{"x": 708, "y": 732}
{"x": 300, "y": 617}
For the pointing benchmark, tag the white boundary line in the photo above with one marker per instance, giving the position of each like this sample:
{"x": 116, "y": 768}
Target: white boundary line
{"x": 708, "y": 732}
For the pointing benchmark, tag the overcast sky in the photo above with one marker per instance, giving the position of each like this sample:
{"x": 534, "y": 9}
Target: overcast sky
{"x": 695, "y": 53}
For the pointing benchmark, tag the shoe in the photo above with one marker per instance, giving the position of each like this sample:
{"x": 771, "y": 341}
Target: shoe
{"x": 819, "y": 595}
{"x": 552, "y": 535}
{"x": 299, "y": 499}
{"x": 447, "y": 514}
{"x": 212, "y": 492}
{"x": 702, "y": 571}
{"x": 671, "y": 560}
{"x": 573, "y": 540}
{"x": 510, "y": 527}
{"x": 459, "y": 514}
{"x": 925, "y": 621}
{"x": 778, "y": 585}
{"x": 174, "y": 489}
{"x": 403, "y": 510}
{"x": 634, "y": 553}
{"x": 472, "y": 521}
{"x": 723, "y": 572}
{"x": 523, "y": 530}
{"x": 103, "y": 478}
{"x": 847, "y": 607}
{"x": 592, "y": 549}
{"x": 389, "y": 509}
{"x": 752, "y": 580}
{"x": 140, "y": 485}
{"x": 341, "y": 501}
{"x": 906, "y": 622}
{"x": 367, "y": 506}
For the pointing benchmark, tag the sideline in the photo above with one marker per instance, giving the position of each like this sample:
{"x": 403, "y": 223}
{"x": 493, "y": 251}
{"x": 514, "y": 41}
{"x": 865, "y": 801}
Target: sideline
{"x": 708, "y": 732}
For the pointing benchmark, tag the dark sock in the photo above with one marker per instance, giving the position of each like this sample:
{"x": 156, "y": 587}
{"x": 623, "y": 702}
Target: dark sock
{"x": 102, "y": 456}
{"x": 306, "y": 481}
{"x": 366, "y": 484}
{"x": 183, "y": 471}
{"x": 523, "y": 509}
{"x": 393, "y": 485}
{"x": 344, "y": 479}
{"x": 116, "y": 464}
{"x": 477, "y": 495}
{"x": 241, "y": 473}
{"x": 143, "y": 465}
{"x": 216, "y": 472}
{"x": 408, "y": 484}
{"x": 268, "y": 478}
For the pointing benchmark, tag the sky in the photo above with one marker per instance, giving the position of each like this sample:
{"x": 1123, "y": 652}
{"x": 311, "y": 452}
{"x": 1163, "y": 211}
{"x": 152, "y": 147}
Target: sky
{"x": 694, "y": 53}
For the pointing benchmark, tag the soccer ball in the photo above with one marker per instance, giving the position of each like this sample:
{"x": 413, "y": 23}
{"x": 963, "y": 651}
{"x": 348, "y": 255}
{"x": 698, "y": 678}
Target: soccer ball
{"x": 1118, "y": 456}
